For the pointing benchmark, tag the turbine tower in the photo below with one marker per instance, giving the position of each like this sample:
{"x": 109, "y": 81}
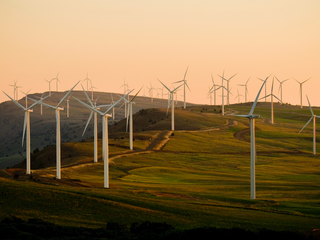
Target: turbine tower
{"x": 49, "y": 81}
{"x": 300, "y": 90}
{"x": 105, "y": 149}
{"x": 129, "y": 114}
{"x": 313, "y": 117}
{"x": 252, "y": 117}
{"x": 26, "y": 129}
{"x": 57, "y": 110}
{"x": 246, "y": 93}
{"x": 184, "y": 81}
{"x": 272, "y": 95}
{"x": 280, "y": 87}
{"x": 171, "y": 102}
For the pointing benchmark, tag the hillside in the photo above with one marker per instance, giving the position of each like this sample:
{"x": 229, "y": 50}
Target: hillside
{"x": 193, "y": 177}
{"x": 43, "y": 127}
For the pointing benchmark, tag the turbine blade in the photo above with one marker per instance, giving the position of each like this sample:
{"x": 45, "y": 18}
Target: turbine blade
{"x": 67, "y": 94}
{"x": 18, "y": 104}
{"x": 87, "y": 106}
{"x": 184, "y": 78}
{"x": 89, "y": 119}
{"x": 310, "y": 105}
{"x": 306, "y": 124}
{"x": 136, "y": 94}
{"x": 118, "y": 101}
{"x": 164, "y": 85}
{"x": 89, "y": 100}
{"x": 255, "y": 102}
{"x": 24, "y": 126}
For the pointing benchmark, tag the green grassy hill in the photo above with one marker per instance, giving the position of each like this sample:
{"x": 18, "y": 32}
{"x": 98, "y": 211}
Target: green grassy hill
{"x": 198, "y": 176}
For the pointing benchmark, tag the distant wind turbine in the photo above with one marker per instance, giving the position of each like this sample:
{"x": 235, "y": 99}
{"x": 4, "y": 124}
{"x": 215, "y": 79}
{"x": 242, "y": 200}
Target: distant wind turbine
{"x": 57, "y": 110}
{"x": 313, "y": 117}
{"x": 88, "y": 80}
{"x": 171, "y": 102}
{"x": 184, "y": 81}
{"x": 300, "y": 90}
{"x": 252, "y": 118}
{"x": 26, "y": 96}
{"x": 246, "y": 92}
{"x": 272, "y": 95}
{"x": 280, "y": 87}
{"x": 26, "y": 129}
{"x": 105, "y": 149}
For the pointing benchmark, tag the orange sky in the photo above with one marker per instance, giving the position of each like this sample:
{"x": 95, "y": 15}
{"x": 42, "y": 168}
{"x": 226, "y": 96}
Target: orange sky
{"x": 145, "y": 40}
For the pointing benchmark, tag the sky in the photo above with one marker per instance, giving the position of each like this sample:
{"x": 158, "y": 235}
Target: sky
{"x": 144, "y": 40}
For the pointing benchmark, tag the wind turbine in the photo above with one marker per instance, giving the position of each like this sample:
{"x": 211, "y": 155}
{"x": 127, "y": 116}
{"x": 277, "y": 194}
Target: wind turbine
{"x": 272, "y": 95}
{"x": 26, "y": 129}
{"x": 252, "y": 117}
{"x": 57, "y": 81}
{"x": 238, "y": 96}
{"x": 49, "y": 81}
{"x": 88, "y": 80}
{"x": 301, "y": 90}
{"x": 246, "y": 93}
{"x": 313, "y": 117}
{"x": 280, "y": 87}
{"x": 171, "y": 102}
{"x": 228, "y": 91}
{"x": 223, "y": 87}
{"x": 129, "y": 114}
{"x": 26, "y": 94}
{"x": 151, "y": 91}
{"x": 105, "y": 149}
{"x": 58, "y": 137}
{"x": 184, "y": 87}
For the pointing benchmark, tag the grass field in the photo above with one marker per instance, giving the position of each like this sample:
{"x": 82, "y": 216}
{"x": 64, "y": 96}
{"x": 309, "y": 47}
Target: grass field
{"x": 201, "y": 177}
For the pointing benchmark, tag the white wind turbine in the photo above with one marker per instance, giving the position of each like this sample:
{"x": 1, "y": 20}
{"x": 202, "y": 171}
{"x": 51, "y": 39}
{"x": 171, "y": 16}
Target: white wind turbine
{"x": 105, "y": 150}
{"x": 171, "y": 102}
{"x": 280, "y": 87}
{"x": 228, "y": 91}
{"x": 300, "y": 90}
{"x": 88, "y": 80}
{"x": 238, "y": 96}
{"x": 151, "y": 91}
{"x": 313, "y": 117}
{"x": 26, "y": 129}
{"x": 246, "y": 92}
{"x": 95, "y": 125}
{"x": 129, "y": 116}
{"x": 58, "y": 137}
{"x": 184, "y": 81}
{"x": 26, "y": 96}
{"x": 213, "y": 89}
{"x": 272, "y": 95}
{"x": 57, "y": 81}
{"x": 49, "y": 81}
{"x": 252, "y": 118}
{"x": 15, "y": 89}
{"x": 223, "y": 87}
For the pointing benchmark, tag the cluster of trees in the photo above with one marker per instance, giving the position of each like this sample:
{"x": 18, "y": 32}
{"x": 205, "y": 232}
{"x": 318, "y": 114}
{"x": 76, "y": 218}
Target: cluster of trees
{"x": 16, "y": 228}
